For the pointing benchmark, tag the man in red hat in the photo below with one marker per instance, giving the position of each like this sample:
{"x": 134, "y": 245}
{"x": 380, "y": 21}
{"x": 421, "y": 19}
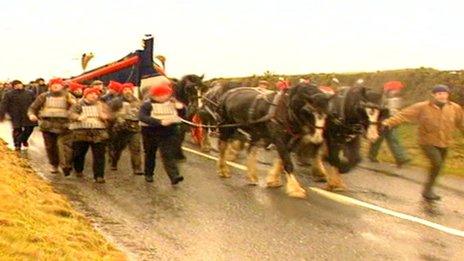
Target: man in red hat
{"x": 159, "y": 116}
{"x": 126, "y": 128}
{"x": 392, "y": 101}
{"x": 76, "y": 89}
{"x": 89, "y": 118}
{"x": 113, "y": 91}
{"x": 50, "y": 109}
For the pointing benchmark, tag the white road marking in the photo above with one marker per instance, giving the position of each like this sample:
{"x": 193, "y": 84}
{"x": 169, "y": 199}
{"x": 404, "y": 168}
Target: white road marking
{"x": 353, "y": 201}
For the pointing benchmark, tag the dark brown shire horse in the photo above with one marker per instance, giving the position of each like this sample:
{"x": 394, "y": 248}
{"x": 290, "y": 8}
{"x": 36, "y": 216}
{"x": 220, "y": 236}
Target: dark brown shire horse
{"x": 353, "y": 112}
{"x": 209, "y": 107}
{"x": 284, "y": 119}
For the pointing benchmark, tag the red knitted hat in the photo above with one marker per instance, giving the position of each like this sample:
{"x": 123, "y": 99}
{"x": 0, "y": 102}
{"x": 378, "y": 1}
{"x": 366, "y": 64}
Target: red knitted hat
{"x": 55, "y": 81}
{"x": 393, "y": 85}
{"x": 127, "y": 85}
{"x": 91, "y": 90}
{"x": 74, "y": 86}
{"x": 115, "y": 86}
{"x": 161, "y": 89}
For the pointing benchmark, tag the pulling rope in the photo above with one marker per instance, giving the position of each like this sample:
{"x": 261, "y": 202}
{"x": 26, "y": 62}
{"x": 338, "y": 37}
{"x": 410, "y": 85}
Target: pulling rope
{"x": 234, "y": 125}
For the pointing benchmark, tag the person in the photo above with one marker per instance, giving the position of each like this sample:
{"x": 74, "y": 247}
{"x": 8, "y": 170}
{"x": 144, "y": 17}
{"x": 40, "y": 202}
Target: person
{"x": 437, "y": 119}
{"x": 15, "y": 103}
{"x": 2, "y": 90}
{"x": 113, "y": 91}
{"x": 391, "y": 101}
{"x": 126, "y": 129}
{"x": 39, "y": 87}
{"x": 76, "y": 89}
{"x": 99, "y": 85}
{"x": 159, "y": 115}
{"x": 88, "y": 124}
{"x": 262, "y": 84}
{"x": 282, "y": 84}
{"x": 51, "y": 110}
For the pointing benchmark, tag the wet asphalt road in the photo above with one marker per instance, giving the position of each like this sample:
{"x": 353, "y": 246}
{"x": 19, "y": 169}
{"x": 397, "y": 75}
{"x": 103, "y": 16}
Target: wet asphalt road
{"x": 208, "y": 218}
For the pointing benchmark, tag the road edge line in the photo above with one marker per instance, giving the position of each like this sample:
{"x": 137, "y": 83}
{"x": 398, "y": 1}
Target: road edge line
{"x": 353, "y": 201}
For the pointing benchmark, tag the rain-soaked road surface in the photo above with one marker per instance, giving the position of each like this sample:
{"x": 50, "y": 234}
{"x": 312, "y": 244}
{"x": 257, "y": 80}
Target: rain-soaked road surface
{"x": 208, "y": 218}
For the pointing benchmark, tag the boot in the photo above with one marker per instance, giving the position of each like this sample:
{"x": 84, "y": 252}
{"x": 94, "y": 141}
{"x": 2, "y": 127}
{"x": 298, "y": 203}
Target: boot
{"x": 66, "y": 172}
{"x": 55, "y": 169}
{"x": 176, "y": 180}
{"x": 430, "y": 195}
{"x": 99, "y": 180}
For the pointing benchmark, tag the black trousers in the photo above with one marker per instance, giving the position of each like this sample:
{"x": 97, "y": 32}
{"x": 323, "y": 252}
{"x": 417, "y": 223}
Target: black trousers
{"x": 437, "y": 156}
{"x": 167, "y": 145}
{"x": 98, "y": 157}
{"x": 21, "y": 135}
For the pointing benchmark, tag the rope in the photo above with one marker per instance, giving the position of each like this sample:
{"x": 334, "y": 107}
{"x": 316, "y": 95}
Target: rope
{"x": 234, "y": 125}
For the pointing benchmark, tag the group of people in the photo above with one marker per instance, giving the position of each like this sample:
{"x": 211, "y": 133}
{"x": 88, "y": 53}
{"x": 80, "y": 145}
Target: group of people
{"x": 74, "y": 118}
{"x": 107, "y": 119}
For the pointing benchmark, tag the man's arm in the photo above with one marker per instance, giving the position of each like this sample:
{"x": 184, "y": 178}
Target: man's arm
{"x": 144, "y": 115}
{"x": 36, "y": 106}
{"x": 75, "y": 111}
{"x": 408, "y": 114}
{"x": 460, "y": 118}
{"x": 4, "y": 105}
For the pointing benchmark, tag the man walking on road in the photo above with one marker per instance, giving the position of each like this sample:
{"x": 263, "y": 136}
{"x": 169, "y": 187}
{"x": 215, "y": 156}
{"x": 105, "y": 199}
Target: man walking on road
{"x": 51, "y": 110}
{"x": 159, "y": 116}
{"x": 126, "y": 129}
{"x": 392, "y": 101}
{"x": 437, "y": 119}
{"x": 16, "y": 103}
{"x": 89, "y": 118}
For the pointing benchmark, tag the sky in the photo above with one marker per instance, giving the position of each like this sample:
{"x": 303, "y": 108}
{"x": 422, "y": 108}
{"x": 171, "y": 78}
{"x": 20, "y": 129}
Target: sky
{"x": 231, "y": 38}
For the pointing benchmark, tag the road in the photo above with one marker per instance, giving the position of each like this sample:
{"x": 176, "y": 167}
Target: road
{"x": 208, "y": 218}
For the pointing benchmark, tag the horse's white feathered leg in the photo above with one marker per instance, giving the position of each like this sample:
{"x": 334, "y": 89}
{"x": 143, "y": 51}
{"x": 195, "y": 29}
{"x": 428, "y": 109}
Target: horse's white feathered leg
{"x": 273, "y": 178}
{"x": 223, "y": 169}
{"x": 251, "y": 165}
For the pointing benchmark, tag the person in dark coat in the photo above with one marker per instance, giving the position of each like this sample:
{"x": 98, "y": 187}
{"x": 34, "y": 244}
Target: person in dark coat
{"x": 15, "y": 103}
{"x": 159, "y": 116}
{"x": 40, "y": 87}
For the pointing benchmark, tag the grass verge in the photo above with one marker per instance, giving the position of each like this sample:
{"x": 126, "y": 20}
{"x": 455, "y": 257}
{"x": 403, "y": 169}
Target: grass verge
{"x": 407, "y": 134}
{"x": 38, "y": 224}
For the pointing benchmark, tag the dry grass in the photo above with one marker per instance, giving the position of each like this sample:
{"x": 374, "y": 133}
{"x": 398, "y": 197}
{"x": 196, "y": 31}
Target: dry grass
{"x": 38, "y": 224}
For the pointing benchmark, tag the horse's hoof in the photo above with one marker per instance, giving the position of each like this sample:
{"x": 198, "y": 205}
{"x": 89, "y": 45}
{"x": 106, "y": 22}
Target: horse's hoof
{"x": 298, "y": 193}
{"x": 224, "y": 175}
{"x": 335, "y": 188}
{"x": 274, "y": 184}
{"x": 253, "y": 181}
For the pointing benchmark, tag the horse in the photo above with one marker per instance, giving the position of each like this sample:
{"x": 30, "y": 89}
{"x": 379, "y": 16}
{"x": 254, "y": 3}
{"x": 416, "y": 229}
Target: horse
{"x": 353, "y": 112}
{"x": 208, "y": 109}
{"x": 283, "y": 118}
{"x": 188, "y": 90}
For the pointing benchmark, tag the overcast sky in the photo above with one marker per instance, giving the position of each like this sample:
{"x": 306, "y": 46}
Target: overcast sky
{"x": 234, "y": 38}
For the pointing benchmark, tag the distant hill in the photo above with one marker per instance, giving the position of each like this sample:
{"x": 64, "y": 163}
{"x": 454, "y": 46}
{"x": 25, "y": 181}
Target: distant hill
{"x": 418, "y": 81}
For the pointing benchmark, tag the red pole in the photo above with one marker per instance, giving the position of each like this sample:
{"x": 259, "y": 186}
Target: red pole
{"x": 107, "y": 69}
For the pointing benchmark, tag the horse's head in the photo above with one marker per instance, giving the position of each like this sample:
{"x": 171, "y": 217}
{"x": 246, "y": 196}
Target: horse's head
{"x": 369, "y": 110}
{"x": 190, "y": 89}
{"x": 309, "y": 107}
